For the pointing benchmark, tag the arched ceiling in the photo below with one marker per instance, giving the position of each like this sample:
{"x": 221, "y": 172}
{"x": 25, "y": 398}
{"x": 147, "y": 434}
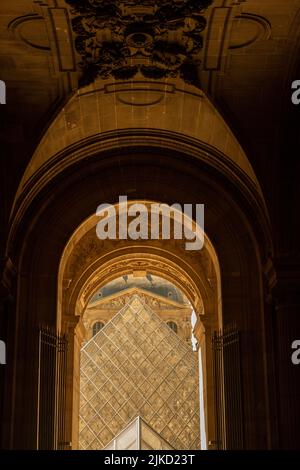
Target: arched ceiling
{"x": 162, "y": 106}
{"x": 89, "y": 266}
{"x": 245, "y": 63}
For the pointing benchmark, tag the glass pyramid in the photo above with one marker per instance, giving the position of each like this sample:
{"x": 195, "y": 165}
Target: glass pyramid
{"x": 138, "y": 436}
{"x": 137, "y": 366}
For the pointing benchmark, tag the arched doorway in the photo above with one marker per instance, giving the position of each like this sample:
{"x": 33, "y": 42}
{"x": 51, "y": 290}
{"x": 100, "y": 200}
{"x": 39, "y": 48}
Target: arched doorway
{"x": 62, "y": 192}
{"x": 84, "y": 268}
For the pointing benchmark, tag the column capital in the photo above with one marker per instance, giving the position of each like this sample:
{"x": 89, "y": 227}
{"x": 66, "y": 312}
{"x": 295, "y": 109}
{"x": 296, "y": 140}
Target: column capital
{"x": 70, "y": 323}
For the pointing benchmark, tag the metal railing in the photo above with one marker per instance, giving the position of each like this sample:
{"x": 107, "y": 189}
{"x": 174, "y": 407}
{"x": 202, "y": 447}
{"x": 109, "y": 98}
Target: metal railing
{"x": 228, "y": 390}
{"x": 52, "y": 373}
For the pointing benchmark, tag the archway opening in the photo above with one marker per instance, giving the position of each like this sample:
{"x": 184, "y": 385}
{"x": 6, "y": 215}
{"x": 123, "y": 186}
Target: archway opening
{"x": 91, "y": 171}
{"x": 138, "y": 267}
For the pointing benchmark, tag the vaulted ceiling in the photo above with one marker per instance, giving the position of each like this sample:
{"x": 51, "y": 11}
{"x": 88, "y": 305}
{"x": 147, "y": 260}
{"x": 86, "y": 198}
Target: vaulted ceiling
{"x": 243, "y": 53}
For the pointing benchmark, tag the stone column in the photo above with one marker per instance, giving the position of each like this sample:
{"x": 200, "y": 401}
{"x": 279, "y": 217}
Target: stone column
{"x": 76, "y": 332}
{"x": 203, "y": 334}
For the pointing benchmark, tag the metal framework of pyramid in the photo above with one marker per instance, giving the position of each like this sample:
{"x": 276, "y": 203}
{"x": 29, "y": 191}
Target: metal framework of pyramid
{"x": 137, "y": 366}
{"x": 138, "y": 436}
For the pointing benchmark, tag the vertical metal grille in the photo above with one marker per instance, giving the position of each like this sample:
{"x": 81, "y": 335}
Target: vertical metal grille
{"x": 218, "y": 371}
{"x": 52, "y": 370}
{"x": 227, "y": 386}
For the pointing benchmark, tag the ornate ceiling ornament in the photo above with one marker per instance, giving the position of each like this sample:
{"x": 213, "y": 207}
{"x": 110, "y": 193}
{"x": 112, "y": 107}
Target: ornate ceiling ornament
{"x": 119, "y": 38}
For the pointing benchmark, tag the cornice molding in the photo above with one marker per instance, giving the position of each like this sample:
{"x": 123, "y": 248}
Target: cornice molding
{"x": 102, "y": 302}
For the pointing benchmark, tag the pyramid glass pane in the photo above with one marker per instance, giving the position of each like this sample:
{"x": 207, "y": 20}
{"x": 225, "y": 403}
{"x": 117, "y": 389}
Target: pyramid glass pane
{"x": 156, "y": 379}
{"x": 138, "y": 436}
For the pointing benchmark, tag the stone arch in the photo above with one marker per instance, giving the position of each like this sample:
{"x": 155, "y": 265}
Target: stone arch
{"x": 83, "y": 270}
{"x": 62, "y": 191}
{"x": 168, "y": 261}
{"x": 107, "y": 114}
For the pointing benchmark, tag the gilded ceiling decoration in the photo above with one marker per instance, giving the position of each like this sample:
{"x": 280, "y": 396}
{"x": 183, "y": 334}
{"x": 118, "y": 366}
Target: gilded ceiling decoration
{"x": 121, "y": 38}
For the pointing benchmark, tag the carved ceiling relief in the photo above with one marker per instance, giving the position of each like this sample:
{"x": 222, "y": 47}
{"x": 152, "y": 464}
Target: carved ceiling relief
{"x": 89, "y": 249}
{"x": 121, "y": 38}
